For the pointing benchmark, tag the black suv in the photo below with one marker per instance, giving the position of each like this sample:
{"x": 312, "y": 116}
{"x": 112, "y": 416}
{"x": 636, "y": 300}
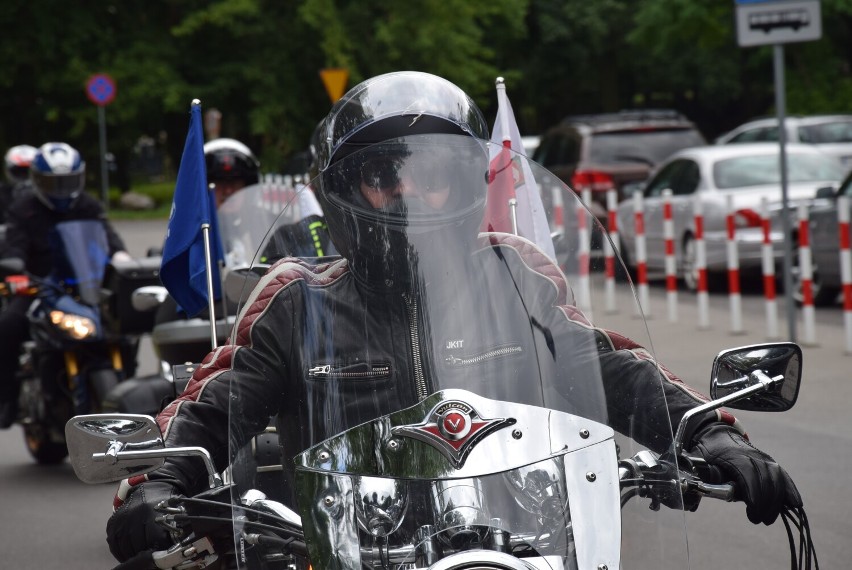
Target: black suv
{"x": 610, "y": 150}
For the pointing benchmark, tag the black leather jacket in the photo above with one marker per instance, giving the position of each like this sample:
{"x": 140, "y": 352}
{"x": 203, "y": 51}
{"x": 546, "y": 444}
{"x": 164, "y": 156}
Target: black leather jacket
{"x": 29, "y": 223}
{"x": 287, "y": 354}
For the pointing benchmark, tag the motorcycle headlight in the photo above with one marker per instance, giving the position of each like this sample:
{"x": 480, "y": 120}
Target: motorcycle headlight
{"x": 75, "y": 326}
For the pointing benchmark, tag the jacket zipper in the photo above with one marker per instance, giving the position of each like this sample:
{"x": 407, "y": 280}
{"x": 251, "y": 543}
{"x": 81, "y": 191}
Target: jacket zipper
{"x": 419, "y": 378}
{"x": 495, "y": 353}
{"x": 328, "y": 371}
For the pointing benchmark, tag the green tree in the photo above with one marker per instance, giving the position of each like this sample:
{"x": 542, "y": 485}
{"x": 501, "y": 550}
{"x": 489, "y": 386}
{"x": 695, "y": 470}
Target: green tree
{"x": 258, "y": 62}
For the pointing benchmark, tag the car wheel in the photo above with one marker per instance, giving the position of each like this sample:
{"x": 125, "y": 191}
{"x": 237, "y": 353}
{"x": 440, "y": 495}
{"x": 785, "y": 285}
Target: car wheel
{"x": 688, "y": 265}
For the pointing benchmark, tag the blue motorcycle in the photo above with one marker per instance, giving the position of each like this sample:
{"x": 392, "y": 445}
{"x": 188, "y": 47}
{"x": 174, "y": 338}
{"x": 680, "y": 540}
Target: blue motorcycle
{"x": 76, "y": 354}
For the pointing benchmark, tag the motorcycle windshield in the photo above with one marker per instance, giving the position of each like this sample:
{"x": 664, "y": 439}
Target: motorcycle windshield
{"x": 449, "y": 397}
{"x": 80, "y": 253}
{"x": 247, "y": 217}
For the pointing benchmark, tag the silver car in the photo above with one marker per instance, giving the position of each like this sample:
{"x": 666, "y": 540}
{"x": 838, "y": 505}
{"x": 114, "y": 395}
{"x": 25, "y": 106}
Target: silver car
{"x": 832, "y": 134}
{"x": 747, "y": 173}
{"x": 825, "y": 243}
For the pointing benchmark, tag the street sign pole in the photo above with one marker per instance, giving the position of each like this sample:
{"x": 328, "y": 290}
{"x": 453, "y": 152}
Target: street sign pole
{"x": 103, "y": 149}
{"x": 781, "y": 108}
{"x": 101, "y": 90}
{"x": 776, "y": 22}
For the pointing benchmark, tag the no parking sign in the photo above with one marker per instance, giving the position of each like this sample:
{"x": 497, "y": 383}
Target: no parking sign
{"x": 100, "y": 89}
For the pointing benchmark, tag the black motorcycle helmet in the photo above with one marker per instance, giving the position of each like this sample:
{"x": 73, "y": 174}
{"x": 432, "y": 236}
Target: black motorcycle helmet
{"x": 229, "y": 159}
{"x": 390, "y": 124}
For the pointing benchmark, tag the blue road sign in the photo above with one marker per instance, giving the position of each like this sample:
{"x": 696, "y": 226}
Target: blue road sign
{"x": 100, "y": 89}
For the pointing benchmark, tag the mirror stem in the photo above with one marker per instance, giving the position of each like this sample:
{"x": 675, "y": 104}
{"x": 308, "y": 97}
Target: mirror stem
{"x": 763, "y": 382}
{"x": 113, "y": 455}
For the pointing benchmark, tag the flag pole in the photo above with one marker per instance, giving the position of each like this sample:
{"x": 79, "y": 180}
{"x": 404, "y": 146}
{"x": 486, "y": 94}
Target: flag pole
{"x": 502, "y": 106}
{"x": 211, "y": 302}
{"x": 208, "y": 265}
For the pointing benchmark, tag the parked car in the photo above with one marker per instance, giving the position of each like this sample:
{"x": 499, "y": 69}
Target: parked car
{"x": 824, "y": 240}
{"x": 530, "y": 143}
{"x": 605, "y": 151}
{"x": 748, "y": 173}
{"x": 832, "y": 134}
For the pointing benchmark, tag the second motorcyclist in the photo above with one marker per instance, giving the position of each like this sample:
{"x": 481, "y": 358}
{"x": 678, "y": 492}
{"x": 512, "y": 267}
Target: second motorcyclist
{"x": 398, "y": 210}
{"x": 58, "y": 175}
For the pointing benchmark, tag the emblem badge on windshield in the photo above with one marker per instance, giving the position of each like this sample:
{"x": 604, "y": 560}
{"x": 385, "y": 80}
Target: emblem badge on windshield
{"x": 453, "y": 428}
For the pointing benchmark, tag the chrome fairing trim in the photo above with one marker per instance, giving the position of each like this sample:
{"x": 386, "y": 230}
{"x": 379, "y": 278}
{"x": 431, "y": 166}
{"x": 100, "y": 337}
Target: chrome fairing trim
{"x": 404, "y": 445}
{"x": 595, "y": 490}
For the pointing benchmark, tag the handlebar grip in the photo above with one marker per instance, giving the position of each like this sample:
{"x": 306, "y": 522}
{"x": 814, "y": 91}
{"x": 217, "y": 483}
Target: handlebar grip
{"x": 712, "y": 475}
{"x": 714, "y": 482}
{"x": 724, "y": 492}
{"x": 142, "y": 561}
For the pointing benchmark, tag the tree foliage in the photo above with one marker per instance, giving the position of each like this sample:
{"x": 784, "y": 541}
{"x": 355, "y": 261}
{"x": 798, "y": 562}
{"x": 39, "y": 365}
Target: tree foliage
{"x": 258, "y": 62}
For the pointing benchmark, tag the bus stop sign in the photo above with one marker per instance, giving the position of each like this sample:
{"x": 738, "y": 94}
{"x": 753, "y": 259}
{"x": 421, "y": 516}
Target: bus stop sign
{"x": 770, "y": 22}
{"x": 100, "y": 89}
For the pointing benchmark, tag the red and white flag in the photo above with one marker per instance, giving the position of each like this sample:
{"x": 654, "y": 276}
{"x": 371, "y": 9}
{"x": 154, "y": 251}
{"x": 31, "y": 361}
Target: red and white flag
{"x": 510, "y": 176}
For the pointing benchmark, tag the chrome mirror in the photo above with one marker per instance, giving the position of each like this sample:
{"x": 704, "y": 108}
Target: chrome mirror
{"x": 94, "y": 441}
{"x": 11, "y": 265}
{"x": 148, "y": 298}
{"x": 825, "y": 192}
{"x": 740, "y": 368}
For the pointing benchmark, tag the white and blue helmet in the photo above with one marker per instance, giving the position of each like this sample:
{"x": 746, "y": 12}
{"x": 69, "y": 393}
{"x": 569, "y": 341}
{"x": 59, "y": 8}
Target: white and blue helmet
{"x": 58, "y": 174}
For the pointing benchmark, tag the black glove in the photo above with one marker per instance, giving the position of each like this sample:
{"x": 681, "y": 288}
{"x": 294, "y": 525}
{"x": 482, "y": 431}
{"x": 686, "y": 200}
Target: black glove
{"x": 131, "y": 528}
{"x": 764, "y": 486}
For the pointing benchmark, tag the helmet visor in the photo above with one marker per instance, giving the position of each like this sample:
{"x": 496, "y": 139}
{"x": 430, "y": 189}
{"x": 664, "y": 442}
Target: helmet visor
{"x": 414, "y": 179}
{"x": 59, "y": 185}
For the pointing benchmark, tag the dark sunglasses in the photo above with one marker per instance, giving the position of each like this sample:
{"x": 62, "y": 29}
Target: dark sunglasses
{"x": 426, "y": 173}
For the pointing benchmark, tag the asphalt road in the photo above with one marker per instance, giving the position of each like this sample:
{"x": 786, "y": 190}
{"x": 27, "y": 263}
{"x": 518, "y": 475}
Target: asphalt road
{"x": 51, "y": 520}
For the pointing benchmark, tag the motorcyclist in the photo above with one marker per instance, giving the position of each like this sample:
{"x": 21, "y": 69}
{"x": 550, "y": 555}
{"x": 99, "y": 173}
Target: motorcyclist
{"x": 384, "y": 219}
{"x": 16, "y": 167}
{"x": 58, "y": 176}
{"x": 231, "y": 165}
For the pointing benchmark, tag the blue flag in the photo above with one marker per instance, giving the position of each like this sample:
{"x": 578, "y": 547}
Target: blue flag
{"x": 183, "y": 270}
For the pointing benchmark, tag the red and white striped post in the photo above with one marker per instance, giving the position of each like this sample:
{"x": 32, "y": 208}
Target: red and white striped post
{"x": 558, "y": 208}
{"x": 671, "y": 265}
{"x": 806, "y": 275}
{"x": 641, "y": 253}
{"x": 701, "y": 266}
{"x": 768, "y": 264}
{"x": 584, "y": 292}
{"x": 733, "y": 259}
{"x": 845, "y": 267}
{"x": 609, "y": 251}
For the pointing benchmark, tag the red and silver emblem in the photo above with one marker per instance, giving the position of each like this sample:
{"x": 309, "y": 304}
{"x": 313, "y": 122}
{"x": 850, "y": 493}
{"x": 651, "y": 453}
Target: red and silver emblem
{"x": 454, "y": 428}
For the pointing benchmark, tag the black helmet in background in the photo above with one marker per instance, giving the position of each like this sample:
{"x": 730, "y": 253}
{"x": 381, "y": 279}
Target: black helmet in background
{"x": 395, "y": 130}
{"x": 16, "y": 163}
{"x": 58, "y": 174}
{"x": 229, "y": 159}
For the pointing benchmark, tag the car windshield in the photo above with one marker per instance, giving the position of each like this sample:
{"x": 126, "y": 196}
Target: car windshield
{"x": 647, "y": 146}
{"x": 743, "y": 171}
{"x": 834, "y": 132}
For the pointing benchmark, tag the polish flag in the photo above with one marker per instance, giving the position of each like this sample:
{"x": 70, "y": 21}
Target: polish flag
{"x": 510, "y": 177}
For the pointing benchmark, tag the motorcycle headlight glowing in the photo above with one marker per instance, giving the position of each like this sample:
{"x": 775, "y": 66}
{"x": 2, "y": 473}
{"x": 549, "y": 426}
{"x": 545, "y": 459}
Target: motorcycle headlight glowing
{"x": 75, "y": 326}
